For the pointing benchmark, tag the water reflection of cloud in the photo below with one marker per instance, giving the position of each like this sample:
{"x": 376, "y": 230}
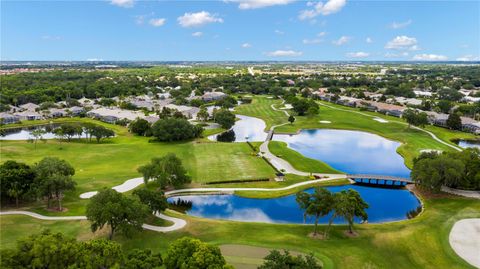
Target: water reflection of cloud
{"x": 205, "y": 200}
{"x": 247, "y": 214}
{"x": 349, "y": 151}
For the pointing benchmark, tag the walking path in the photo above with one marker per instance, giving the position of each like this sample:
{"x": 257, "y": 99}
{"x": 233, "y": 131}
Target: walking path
{"x": 464, "y": 193}
{"x": 465, "y": 240}
{"x": 177, "y": 223}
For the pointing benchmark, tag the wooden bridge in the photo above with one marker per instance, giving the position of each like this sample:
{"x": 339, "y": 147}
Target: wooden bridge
{"x": 380, "y": 180}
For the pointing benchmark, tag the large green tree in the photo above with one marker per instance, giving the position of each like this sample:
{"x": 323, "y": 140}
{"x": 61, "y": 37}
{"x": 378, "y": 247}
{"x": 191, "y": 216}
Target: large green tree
{"x": 99, "y": 253}
{"x": 276, "y": 260}
{"x": 225, "y": 118}
{"x": 190, "y": 253}
{"x": 165, "y": 171}
{"x": 121, "y": 213}
{"x": 53, "y": 178}
{"x": 175, "y": 129}
{"x": 454, "y": 121}
{"x": 16, "y": 180}
{"x": 432, "y": 172}
{"x": 317, "y": 204}
{"x": 413, "y": 117}
{"x": 139, "y": 127}
{"x": 43, "y": 250}
{"x": 348, "y": 205}
{"x": 155, "y": 200}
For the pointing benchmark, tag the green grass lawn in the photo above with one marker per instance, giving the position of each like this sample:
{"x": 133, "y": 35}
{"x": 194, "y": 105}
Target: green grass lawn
{"x": 112, "y": 162}
{"x": 418, "y": 243}
{"x": 298, "y": 161}
{"x": 261, "y": 108}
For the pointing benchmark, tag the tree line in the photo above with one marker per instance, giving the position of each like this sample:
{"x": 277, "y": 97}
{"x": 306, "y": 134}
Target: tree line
{"x": 432, "y": 170}
{"x": 48, "y": 179}
{"x": 58, "y": 251}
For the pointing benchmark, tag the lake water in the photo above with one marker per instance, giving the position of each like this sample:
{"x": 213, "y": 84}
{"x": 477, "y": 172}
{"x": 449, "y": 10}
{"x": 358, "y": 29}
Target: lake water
{"x": 352, "y": 152}
{"x": 247, "y": 129}
{"x": 25, "y": 133}
{"x": 469, "y": 144}
{"x": 384, "y": 205}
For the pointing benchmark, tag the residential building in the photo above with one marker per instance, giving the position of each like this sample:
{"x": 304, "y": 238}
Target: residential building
{"x": 213, "y": 96}
{"x": 7, "y": 118}
{"x": 29, "y": 107}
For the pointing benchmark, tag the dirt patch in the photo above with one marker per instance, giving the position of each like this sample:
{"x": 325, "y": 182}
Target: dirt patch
{"x": 56, "y": 209}
{"x": 421, "y": 192}
{"x": 318, "y": 236}
{"x": 354, "y": 234}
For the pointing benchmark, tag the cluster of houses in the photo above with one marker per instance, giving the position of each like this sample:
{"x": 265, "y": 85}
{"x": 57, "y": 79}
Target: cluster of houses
{"x": 439, "y": 119}
{"x": 31, "y": 111}
{"x": 110, "y": 114}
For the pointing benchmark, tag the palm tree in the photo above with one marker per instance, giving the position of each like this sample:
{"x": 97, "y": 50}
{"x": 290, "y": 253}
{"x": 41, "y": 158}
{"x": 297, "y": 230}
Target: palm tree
{"x": 348, "y": 205}
{"x": 317, "y": 204}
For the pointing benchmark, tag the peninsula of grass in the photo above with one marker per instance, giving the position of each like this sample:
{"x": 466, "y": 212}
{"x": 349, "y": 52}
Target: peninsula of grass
{"x": 421, "y": 242}
{"x": 280, "y": 193}
{"x": 298, "y": 161}
{"x": 261, "y": 107}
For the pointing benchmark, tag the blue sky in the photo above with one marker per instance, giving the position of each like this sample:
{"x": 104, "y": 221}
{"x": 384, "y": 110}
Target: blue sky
{"x": 325, "y": 30}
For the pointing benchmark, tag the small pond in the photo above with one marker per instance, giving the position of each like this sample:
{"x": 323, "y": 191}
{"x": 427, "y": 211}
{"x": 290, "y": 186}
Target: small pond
{"x": 385, "y": 205}
{"x": 469, "y": 143}
{"x": 247, "y": 129}
{"x": 24, "y": 133}
{"x": 352, "y": 152}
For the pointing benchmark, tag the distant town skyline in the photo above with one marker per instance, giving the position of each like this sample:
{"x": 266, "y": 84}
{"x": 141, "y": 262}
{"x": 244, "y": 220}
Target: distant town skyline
{"x": 240, "y": 30}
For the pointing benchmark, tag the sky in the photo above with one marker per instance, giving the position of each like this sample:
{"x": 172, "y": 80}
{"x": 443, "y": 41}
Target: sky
{"x": 240, "y": 30}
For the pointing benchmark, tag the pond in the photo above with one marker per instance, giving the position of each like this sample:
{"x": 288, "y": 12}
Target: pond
{"x": 384, "y": 205}
{"x": 247, "y": 129}
{"x": 352, "y": 152}
{"x": 25, "y": 133}
{"x": 469, "y": 143}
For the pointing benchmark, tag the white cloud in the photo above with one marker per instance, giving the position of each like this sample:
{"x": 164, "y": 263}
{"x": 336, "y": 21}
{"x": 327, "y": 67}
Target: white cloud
{"x": 396, "y": 55}
{"x": 285, "y": 53}
{"x": 157, "y": 22}
{"x": 123, "y": 3}
{"x": 399, "y": 25}
{"x": 50, "y": 37}
{"x": 369, "y": 40}
{"x": 320, "y": 8}
{"x": 197, "y": 34}
{"x": 402, "y": 43}
{"x": 342, "y": 40}
{"x": 321, "y": 34}
{"x": 246, "y": 45}
{"x": 359, "y": 54}
{"x": 253, "y": 4}
{"x": 198, "y": 19}
{"x": 278, "y": 32}
{"x": 94, "y": 60}
{"x": 312, "y": 41}
{"x": 429, "y": 57}
{"x": 468, "y": 58}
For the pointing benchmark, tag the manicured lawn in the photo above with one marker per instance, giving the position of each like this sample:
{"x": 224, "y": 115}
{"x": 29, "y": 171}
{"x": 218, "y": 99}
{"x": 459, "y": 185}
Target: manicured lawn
{"x": 261, "y": 108}
{"x": 418, "y": 243}
{"x": 298, "y": 161}
{"x": 273, "y": 194}
{"x": 111, "y": 163}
